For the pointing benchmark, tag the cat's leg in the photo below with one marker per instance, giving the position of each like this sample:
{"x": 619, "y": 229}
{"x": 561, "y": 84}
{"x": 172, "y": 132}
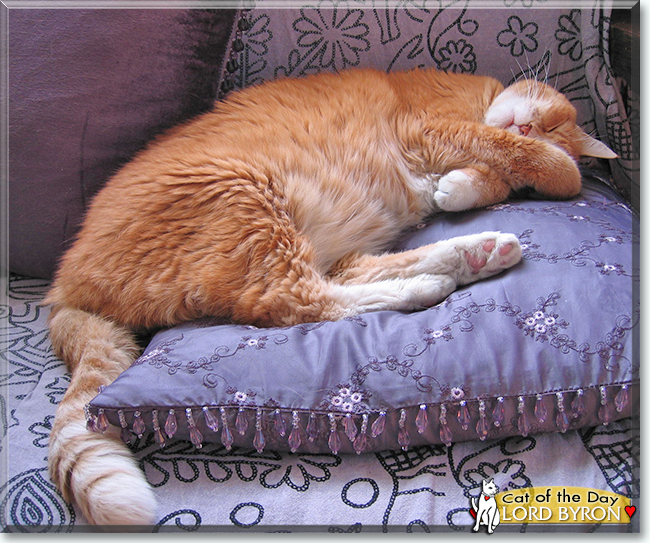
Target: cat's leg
{"x": 477, "y": 523}
{"x": 521, "y": 161}
{"x": 294, "y": 292}
{"x": 480, "y": 516}
{"x": 305, "y": 296}
{"x": 406, "y": 294}
{"x": 464, "y": 259}
{"x": 95, "y": 470}
{"x": 490, "y": 518}
{"x": 477, "y": 185}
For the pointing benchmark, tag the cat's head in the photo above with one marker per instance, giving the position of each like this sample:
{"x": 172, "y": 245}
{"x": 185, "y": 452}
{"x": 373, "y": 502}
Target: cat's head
{"x": 489, "y": 487}
{"x": 534, "y": 109}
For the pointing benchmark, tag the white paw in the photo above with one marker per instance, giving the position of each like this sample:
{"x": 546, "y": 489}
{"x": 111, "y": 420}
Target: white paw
{"x": 456, "y": 192}
{"x": 484, "y": 255}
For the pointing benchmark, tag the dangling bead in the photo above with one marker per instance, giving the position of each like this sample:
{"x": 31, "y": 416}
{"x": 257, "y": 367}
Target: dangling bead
{"x": 540, "y": 409}
{"x": 499, "y": 412}
{"x": 125, "y": 434}
{"x": 362, "y": 439}
{"x": 605, "y": 410}
{"x": 403, "y": 437}
{"x": 578, "y": 404}
{"x": 312, "y": 428}
{"x": 445, "y": 432}
{"x": 561, "y": 419}
{"x": 280, "y": 426}
{"x": 211, "y": 421}
{"x": 378, "y": 426}
{"x": 464, "y": 417}
{"x": 90, "y": 423}
{"x": 258, "y": 441}
{"x": 226, "y": 434}
{"x": 102, "y": 421}
{"x": 522, "y": 423}
{"x": 157, "y": 432}
{"x": 333, "y": 441}
{"x": 349, "y": 427}
{"x": 422, "y": 419}
{"x": 195, "y": 435}
{"x": 482, "y": 426}
{"x": 170, "y": 424}
{"x": 241, "y": 422}
{"x": 138, "y": 424}
{"x": 621, "y": 399}
{"x": 90, "y": 419}
{"x": 294, "y": 436}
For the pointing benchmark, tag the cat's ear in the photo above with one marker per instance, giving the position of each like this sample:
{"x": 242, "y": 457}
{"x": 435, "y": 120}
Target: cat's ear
{"x": 592, "y": 147}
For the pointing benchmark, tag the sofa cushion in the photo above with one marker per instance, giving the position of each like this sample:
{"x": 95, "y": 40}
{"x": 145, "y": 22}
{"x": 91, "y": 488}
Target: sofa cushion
{"x": 88, "y": 89}
{"x": 546, "y": 346}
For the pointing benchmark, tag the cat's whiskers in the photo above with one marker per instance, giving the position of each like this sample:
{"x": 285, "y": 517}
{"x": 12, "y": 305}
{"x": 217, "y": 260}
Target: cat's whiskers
{"x": 515, "y": 78}
{"x": 544, "y": 67}
{"x": 530, "y": 68}
{"x": 532, "y": 92}
{"x": 521, "y": 69}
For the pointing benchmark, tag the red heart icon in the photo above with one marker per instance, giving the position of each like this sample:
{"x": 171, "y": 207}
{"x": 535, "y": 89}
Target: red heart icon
{"x": 630, "y": 510}
{"x": 487, "y": 498}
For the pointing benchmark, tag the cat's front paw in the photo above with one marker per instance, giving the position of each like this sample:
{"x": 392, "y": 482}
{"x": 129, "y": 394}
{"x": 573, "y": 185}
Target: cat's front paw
{"x": 456, "y": 191}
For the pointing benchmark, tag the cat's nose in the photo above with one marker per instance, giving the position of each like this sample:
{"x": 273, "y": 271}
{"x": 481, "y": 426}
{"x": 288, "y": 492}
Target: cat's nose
{"x": 525, "y": 129}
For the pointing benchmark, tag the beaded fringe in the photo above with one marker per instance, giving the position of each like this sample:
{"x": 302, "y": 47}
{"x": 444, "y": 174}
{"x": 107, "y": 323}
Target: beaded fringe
{"x": 233, "y": 60}
{"x": 475, "y": 417}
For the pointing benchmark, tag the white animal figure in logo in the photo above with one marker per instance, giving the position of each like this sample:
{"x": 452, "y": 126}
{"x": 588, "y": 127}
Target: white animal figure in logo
{"x": 486, "y": 511}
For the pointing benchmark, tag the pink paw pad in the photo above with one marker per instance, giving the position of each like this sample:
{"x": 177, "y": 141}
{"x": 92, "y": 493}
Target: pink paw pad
{"x": 476, "y": 262}
{"x": 506, "y": 249}
{"x": 489, "y": 245}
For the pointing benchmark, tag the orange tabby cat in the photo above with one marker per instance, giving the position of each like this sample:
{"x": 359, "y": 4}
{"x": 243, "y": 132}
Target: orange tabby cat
{"x": 274, "y": 209}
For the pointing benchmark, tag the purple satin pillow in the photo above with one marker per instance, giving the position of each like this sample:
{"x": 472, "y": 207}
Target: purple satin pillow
{"x": 549, "y": 345}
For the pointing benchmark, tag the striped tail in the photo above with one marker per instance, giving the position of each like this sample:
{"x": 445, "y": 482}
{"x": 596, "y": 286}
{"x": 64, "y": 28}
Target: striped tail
{"x": 95, "y": 471}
